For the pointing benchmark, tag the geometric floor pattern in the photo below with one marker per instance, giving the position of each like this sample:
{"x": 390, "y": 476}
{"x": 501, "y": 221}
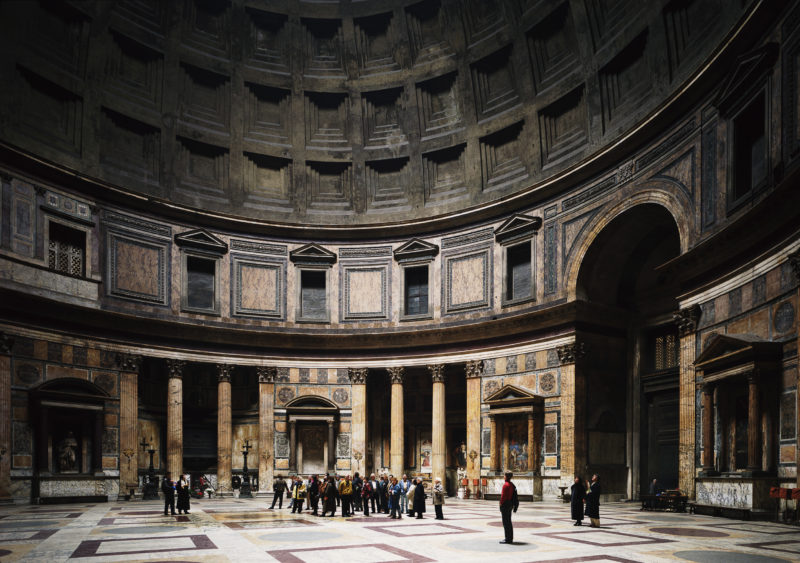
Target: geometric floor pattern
{"x": 242, "y": 530}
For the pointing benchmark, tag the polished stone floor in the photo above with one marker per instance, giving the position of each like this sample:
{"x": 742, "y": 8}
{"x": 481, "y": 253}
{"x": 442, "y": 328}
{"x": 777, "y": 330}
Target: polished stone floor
{"x": 242, "y": 530}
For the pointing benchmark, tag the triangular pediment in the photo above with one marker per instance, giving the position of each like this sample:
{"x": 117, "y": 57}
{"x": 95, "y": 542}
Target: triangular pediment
{"x": 722, "y": 350}
{"x": 312, "y": 254}
{"x": 202, "y": 240}
{"x": 511, "y": 394}
{"x": 416, "y": 249}
{"x": 516, "y": 227}
{"x": 748, "y": 76}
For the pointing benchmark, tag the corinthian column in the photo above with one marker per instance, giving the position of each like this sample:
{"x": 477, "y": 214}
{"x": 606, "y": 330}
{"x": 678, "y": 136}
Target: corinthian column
{"x": 266, "y": 429}
{"x": 397, "y": 374}
{"x": 439, "y": 424}
{"x": 573, "y": 416}
{"x": 794, "y": 261}
{"x": 128, "y": 417}
{"x": 687, "y": 320}
{"x": 175, "y": 417}
{"x": 358, "y": 448}
{"x": 6, "y": 343}
{"x": 224, "y": 429}
{"x": 474, "y": 371}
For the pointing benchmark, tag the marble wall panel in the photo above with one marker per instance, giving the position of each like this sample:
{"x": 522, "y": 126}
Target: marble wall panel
{"x": 79, "y": 487}
{"x": 242, "y": 432}
{"x": 137, "y": 268}
{"x": 365, "y": 292}
{"x": 259, "y": 288}
{"x": 467, "y": 280}
{"x": 732, "y": 494}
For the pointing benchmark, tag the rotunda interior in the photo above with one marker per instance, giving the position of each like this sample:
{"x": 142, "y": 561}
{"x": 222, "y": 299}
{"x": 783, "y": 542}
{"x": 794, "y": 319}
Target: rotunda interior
{"x": 446, "y": 238}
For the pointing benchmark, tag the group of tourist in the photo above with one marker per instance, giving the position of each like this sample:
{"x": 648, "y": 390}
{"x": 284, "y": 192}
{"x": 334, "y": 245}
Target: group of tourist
{"x": 385, "y": 494}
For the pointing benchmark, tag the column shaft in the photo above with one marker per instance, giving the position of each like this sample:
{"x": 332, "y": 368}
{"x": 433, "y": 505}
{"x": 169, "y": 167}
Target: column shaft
{"x": 224, "y": 435}
{"x": 292, "y": 446}
{"x": 753, "y": 426}
{"x": 175, "y": 426}
{"x": 506, "y": 447}
{"x": 97, "y": 449}
{"x": 331, "y": 446}
{"x": 531, "y": 444}
{"x": 439, "y": 425}
{"x": 397, "y": 447}
{"x": 266, "y": 429}
{"x": 687, "y": 320}
{"x": 708, "y": 427}
{"x": 5, "y": 418}
{"x": 493, "y": 445}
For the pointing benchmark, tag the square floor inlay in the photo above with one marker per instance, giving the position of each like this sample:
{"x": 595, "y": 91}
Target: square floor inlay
{"x": 603, "y": 538}
{"x": 415, "y": 530}
{"x": 374, "y": 553}
{"x": 28, "y": 535}
{"x": 786, "y": 546}
{"x": 105, "y": 548}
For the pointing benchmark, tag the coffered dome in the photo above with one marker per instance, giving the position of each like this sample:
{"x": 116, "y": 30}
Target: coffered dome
{"x": 343, "y": 113}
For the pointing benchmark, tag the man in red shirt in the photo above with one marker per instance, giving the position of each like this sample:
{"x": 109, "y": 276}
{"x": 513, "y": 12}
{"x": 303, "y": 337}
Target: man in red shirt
{"x": 508, "y": 503}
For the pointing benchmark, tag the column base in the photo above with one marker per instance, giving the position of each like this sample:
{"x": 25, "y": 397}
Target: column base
{"x": 709, "y": 473}
{"x": 6, "y": 500}
{"x": 750, "y": 473}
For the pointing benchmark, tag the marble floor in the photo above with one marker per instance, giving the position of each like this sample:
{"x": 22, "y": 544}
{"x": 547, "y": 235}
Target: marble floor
{"x": 241, "y": 530}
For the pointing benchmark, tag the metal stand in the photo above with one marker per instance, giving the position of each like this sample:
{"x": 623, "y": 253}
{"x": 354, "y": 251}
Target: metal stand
{"x": 245, "y": 491}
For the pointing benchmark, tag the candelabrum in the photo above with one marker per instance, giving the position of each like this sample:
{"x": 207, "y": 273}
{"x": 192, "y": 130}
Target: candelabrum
{"x": 150, "y": 488}
{"x": 245, "y": 490}
{"x": 129, "y": 453}
{"x": 357, "y": 455}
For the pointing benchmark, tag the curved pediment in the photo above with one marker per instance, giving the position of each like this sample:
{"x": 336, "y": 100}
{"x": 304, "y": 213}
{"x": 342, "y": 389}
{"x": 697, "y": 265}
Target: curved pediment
{"x": 311, "y": 403}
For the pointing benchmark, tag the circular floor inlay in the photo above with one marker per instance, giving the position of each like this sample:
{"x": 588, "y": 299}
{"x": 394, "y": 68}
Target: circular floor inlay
{"x": 725, "y": 557}
{"x": 690, "y": 532}
{"x": 304, "y": 536}
{"x": 490, "y": 546}
{"x": 521, "y": 524}
{"x": 143, "y": 530}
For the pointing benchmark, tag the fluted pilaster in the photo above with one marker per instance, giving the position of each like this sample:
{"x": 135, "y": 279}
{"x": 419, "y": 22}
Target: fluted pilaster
{"x": 687, "y": 320}
{"x": 224, "y": 429}
{"x": 128, "y": 417}
{"x": 266, "y": 428}
{"x": 6, "y": 344}
{"x": 474, "y": 371}
{"x": 358, "y": 392}
{"x": 573, "y": 417}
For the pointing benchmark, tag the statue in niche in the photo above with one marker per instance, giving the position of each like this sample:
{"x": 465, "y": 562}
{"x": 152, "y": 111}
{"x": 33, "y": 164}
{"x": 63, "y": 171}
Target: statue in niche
{"x": 460, "y": 456}
{"x": 68, "y": 454}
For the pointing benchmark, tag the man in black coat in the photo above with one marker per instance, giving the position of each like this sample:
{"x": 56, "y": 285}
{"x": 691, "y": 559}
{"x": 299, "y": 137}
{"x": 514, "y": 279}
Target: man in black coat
{"x": 168, "y": 488}
{"x": 278, "y": 488}
{"x": 593, "y": 502}
{"x": 578, "y": 496}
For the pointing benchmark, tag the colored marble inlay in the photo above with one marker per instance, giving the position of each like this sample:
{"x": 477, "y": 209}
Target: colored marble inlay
{"x": 372, "y": 552}
{"x": 690, "y": 532}
{"x": 122, "y": 546}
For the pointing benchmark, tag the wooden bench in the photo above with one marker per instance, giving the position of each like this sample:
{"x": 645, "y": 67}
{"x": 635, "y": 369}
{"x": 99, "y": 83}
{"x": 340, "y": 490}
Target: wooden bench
{"x": 672, "y": 503}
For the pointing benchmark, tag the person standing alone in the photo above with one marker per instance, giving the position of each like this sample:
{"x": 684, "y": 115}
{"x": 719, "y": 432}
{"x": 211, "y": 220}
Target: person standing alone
{"x": 508, "y": 503}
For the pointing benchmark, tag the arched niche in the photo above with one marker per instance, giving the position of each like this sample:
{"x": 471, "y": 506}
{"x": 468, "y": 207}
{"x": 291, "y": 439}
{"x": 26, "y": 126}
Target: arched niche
{"x": 68, "y": 416}
{"x": 312, "y": 421}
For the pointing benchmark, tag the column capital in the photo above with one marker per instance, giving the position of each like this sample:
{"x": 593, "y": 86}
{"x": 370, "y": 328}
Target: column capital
{"x": 794, "y": 260}
{"x": 6, "y": 344}
{"x": 570, "y": 353}
{"x": 224, "y": 372}
{"x": 397, "y": 374}
{"x": 437, "y": 372}
{"x": 687, "y": 319}
{"x": 175, "y": 368}
{"x": 474, "y": 368}
{"x": 358, "y": 376}
{"x": 752, "y": 376}
{"x": 266, "y": 374}
{"x": 129, "y": 362}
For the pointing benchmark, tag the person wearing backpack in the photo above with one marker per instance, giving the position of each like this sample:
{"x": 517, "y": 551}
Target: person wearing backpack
{"x": 508, "y": 502}
{"x": 366, "y": 495}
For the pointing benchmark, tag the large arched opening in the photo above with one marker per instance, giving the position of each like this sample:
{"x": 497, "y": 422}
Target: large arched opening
{"x": 631, "y": 363}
